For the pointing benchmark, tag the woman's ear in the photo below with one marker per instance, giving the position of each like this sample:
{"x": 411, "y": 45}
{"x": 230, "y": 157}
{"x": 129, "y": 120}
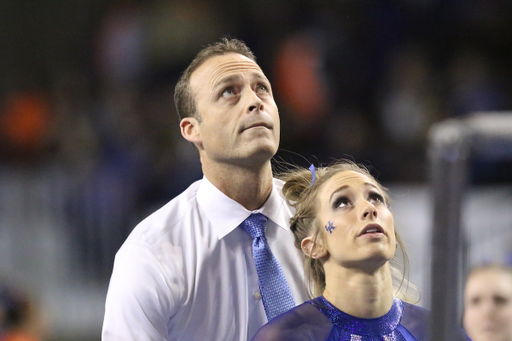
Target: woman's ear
{"x": 190, "y": 131}
{"x": 313, "y": 249}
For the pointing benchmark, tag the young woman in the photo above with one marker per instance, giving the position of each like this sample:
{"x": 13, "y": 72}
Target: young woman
{"x": 345, "y": 228}
{"x": 488, "y": 303}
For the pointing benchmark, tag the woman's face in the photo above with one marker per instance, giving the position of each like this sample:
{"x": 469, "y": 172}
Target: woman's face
{"x": 488, "y": 306}
{"x": 358, "y": 229}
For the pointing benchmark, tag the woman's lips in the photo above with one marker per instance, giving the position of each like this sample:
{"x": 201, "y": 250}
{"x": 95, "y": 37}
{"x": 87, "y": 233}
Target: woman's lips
{"x": 372, "y": 229}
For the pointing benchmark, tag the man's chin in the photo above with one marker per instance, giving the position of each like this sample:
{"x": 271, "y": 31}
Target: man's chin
{"x": 255, "y": 157}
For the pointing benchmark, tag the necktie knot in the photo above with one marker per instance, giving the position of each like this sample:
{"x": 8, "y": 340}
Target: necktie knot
{"x": 255, "y": 225}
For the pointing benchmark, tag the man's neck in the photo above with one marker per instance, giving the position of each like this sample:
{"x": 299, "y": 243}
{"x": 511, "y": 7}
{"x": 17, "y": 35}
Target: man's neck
{"x": 250, "y": 187}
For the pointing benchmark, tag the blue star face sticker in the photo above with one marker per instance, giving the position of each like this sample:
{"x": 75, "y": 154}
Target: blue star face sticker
{"x": 329, "y": 227}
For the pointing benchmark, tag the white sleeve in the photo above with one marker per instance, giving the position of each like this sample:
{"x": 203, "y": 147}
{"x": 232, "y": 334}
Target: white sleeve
{"x": 139, "y": 301}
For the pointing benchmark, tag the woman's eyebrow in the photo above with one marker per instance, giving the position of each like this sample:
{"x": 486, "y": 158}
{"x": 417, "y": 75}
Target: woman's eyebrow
{"x": 367, "y": 184}
{"x": 338, "y": 190}
{"x": 371, "y": 185}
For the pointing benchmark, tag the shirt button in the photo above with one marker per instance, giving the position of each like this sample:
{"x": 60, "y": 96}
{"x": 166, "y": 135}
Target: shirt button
{"x": 257, "y": 295}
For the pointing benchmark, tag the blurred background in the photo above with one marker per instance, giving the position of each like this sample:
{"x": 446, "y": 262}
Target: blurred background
{"x": 90, "y": 143}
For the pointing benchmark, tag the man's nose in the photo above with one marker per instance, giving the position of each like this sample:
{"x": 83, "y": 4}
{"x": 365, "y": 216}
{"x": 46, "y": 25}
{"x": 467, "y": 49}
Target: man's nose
{"x": 255, "y": 107}
{"x": 255, "y": 104}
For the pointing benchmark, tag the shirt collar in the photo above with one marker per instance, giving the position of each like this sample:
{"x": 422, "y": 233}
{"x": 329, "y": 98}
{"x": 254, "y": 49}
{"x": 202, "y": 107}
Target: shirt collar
{"x": 225, "y": 214}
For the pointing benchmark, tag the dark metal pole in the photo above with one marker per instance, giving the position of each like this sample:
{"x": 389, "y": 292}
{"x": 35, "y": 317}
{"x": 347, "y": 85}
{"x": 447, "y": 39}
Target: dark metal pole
{"x": 448, "y": 153}
{"x": 451, "y": 145}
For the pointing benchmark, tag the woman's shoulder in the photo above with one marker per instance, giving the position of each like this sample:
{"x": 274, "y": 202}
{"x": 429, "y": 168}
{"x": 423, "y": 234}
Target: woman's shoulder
{"x": 416, "y": 320}
{"x": 304, "y": 322}
{"x": 412, "y": 310}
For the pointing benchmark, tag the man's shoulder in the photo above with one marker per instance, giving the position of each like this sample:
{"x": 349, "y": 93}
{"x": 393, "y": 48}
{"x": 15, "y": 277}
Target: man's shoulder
{"x": 167, "y": 218}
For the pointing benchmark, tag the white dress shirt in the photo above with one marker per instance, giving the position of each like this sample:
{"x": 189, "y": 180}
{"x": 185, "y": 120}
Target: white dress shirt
{"x": 187, "y": 273}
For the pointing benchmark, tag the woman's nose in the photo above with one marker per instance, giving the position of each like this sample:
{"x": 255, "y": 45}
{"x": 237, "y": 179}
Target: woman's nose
{"x": 369, "y": 211}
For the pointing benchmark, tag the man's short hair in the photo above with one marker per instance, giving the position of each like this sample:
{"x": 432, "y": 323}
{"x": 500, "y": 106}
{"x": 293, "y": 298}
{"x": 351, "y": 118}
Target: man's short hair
{"x": 183, "y": 97}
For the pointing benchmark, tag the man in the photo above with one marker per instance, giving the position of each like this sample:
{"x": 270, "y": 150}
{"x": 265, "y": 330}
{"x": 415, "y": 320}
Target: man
{"x": 187, "y": 271}
{"x": 488, "y": 304}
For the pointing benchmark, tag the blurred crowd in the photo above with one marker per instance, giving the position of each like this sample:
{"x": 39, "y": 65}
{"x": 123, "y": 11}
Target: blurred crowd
{"x": 359, "y": 79}
{"x": 20, "y": 316}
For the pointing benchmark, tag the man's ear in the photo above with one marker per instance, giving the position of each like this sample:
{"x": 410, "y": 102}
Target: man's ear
{"x": 313, "y": 249}
{"x": 190, "y": 131}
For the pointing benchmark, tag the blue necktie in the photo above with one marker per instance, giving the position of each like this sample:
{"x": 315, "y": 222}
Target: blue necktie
{"x": 275, "y": 293}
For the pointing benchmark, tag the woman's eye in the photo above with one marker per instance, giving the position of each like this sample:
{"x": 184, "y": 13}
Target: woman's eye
{"x": 500, "y": 300}
{"x": 376, "y": 198}
{"x": 342, "y": 202}
{"x": 475, "y": 301}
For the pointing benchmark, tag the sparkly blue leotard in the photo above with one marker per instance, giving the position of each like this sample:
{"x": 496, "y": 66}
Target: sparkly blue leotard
{"x": 346, "y": 327}
{"x": 319, "y": 320}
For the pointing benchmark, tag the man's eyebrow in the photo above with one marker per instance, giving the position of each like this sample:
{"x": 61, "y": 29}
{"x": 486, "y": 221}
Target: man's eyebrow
{"x": 226, "y": 80}
{"x": 232, "y": 78}
{"x": 259, "y": 76}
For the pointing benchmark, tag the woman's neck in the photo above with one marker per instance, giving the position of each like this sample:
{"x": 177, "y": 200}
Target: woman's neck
{"x": 359, "y": 293}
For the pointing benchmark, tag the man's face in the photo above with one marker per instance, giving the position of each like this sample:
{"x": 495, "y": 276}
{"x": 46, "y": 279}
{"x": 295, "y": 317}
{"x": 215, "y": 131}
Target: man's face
{"x": 239, "y": 120}
{"x": 488, "y": 306}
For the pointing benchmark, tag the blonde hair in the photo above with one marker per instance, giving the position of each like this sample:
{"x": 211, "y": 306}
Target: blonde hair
{"x": 302, "y": 195}
{"x": 490, "y": 268}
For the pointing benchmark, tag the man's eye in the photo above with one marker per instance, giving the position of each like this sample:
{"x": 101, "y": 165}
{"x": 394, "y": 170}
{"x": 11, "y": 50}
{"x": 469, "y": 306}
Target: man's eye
{"x": 262, "y": 88}
{"x": 228, "y": 92}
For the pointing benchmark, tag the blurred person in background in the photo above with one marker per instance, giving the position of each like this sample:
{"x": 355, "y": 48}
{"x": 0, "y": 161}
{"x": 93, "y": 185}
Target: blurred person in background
{"x": 24, "y": 126}
{"x": 20, "y": 317}
{"x": 488, "y": 303}
{"x": 193, "y": 269}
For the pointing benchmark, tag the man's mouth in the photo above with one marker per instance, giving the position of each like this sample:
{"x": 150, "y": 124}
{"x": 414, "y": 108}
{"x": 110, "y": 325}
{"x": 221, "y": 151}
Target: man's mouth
{"x": 258, "y": 125}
